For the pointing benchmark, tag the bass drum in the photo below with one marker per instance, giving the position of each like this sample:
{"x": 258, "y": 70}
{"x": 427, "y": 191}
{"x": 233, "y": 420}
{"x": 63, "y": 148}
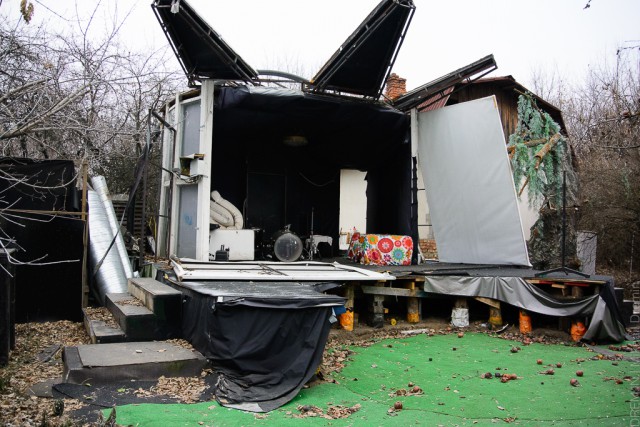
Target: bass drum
{"x": 287, "y": 246}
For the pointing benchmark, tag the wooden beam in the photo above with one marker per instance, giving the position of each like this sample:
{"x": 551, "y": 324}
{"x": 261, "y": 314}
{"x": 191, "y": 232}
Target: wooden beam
{"x": 349, "y": 294}
{"x": 490, "y": 302}
{"x": 85, "y": 236}
{"x": 397, "y": 292}
{"x": 413, "y": 304}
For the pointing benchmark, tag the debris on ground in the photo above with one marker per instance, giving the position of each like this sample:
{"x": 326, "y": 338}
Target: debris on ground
{"x": 36, "y": 358}
{"x": 131, "y": 301}
{"x": 333, "y": 411}
{"x": 102, "y": 314}
{"x": 183, "y": 389}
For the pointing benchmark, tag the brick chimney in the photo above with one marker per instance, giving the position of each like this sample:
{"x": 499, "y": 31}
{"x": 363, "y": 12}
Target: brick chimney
{"x": 396, "y": 86}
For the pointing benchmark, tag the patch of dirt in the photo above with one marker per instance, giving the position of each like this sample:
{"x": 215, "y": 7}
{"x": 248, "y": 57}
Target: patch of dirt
{"x": 36, "y": 358}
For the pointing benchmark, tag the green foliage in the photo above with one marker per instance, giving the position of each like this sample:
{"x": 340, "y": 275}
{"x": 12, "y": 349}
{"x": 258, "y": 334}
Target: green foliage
{"x": 545, "y": 181}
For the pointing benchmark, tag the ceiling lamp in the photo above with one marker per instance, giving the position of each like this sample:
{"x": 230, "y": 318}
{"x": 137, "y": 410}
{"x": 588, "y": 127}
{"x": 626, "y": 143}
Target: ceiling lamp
{"x": 295, "y": 141}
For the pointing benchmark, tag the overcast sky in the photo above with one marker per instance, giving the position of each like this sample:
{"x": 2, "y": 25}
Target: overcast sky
{"x": 299, "y": 35}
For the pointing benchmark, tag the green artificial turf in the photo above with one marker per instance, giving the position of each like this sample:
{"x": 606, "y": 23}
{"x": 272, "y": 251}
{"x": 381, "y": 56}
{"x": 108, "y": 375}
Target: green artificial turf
{"x": 448, "y": 369}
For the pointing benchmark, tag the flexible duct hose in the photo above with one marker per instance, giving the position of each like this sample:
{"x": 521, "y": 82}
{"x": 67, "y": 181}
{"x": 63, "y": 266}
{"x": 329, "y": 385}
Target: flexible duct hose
{"x": 222, "y": 212}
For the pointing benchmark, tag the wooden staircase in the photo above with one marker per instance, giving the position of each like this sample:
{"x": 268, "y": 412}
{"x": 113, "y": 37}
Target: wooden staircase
{"x": 149, "y": 311}
{"x": 130, "y": 346}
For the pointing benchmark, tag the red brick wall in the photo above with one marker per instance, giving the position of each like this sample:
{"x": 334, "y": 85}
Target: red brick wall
{"x": 396, "y": 86}
{"x": 428, "y": 248}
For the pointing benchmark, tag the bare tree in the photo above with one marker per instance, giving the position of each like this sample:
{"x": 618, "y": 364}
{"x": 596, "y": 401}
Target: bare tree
{"x": 79, "y": 96}
{"x": 602, "y": 114}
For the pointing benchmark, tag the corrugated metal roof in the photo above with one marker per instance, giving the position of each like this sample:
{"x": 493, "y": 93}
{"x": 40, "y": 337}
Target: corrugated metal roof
{"x": 418, "y": 95}
{"x": 436, "y": 101}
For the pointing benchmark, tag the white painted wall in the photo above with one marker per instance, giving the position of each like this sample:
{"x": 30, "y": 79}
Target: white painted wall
{"x": 353, "y": 203}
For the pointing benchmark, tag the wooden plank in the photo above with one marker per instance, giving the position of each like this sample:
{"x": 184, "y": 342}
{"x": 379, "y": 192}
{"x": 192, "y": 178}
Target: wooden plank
{"x": 562, "y": 282}
{"x": 567, "y": 281}
{"x": 397, "y": 292}
{"x": 410, "y": 277}
{"x": 490, "y": 302}
{"x": 409, "y": 285}
{"x": 85, "y": 236}
{"x": 379, "y": 290}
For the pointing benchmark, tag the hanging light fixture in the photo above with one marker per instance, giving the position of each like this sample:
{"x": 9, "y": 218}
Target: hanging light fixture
{"x": 295, "y": 141}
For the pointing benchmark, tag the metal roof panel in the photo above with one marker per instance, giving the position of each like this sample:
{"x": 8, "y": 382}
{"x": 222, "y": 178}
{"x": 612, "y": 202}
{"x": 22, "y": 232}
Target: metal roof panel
{"x": 199, "y": 48}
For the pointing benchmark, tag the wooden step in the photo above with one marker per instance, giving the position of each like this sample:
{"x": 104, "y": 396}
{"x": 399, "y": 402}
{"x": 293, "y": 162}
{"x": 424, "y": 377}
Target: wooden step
{"x": 163, "y": 300}
{"x": 100, "y": 332}
{"x": 101, "y": 363}
{"x": 136, "y": 320}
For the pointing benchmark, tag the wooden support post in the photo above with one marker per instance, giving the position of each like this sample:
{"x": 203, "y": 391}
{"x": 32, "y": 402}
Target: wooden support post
{"x": 85, "y": 236}
{"x": 576, "y": 292}
{"x": 495, "y": 316}
{"x": 376, "y": 314}
{"x": 347, "y": 319}
{"x": 524, "y": 322}
{"x": 349, "y": 294}
{"x": 413, "y": 304}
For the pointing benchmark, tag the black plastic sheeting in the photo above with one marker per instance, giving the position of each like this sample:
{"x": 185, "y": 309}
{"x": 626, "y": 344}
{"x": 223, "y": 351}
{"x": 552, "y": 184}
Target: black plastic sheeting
{"x": 264, "y": 340}
{"x": 253, "y": 167}
{"x": 44, "y": 290}
{"x": 606, "y": 323}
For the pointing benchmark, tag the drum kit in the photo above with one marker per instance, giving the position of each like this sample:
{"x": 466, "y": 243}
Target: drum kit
{"x": 285, "y": 245}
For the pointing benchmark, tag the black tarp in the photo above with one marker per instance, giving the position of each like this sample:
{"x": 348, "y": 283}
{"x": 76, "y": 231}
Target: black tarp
{"x": 48, "y": 286}
{"x": 264, "y": 340}
{"x": 606, "y": 323}
{"x": 251, "y": 163}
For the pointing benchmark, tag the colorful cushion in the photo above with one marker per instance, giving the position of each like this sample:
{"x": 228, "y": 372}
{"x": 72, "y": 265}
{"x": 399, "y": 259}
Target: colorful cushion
{"x": 380, "y": 249}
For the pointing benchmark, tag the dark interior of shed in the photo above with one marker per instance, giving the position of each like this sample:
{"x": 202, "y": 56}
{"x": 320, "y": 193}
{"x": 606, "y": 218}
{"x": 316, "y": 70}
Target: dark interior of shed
{"x": 277, "y": 154}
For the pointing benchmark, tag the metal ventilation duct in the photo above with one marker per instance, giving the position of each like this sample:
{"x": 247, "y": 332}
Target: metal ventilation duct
{"x": 109, "y": 276}
{"x": 100, "y": 186}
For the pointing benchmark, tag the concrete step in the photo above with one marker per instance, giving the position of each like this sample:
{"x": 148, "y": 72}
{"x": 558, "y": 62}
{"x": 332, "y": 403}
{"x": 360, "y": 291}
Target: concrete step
{"x": 163, "y": 300}
{"x": 143, "y": 361}
{"x": 137, "y": 322}
{"x": 100, "y": 332}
